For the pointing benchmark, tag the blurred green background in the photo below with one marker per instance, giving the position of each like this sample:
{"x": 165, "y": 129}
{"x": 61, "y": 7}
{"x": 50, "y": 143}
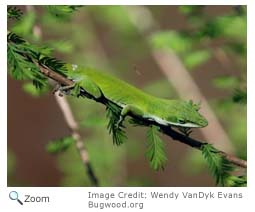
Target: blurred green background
{"x": 211, "y": 44}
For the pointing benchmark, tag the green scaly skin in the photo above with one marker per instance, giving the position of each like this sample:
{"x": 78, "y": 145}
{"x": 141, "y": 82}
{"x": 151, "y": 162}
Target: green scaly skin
{"x": 134, "y": 101}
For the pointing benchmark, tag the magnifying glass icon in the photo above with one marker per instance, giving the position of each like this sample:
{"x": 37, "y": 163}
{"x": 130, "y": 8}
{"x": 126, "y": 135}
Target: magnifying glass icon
{"x": 13, "y": 195}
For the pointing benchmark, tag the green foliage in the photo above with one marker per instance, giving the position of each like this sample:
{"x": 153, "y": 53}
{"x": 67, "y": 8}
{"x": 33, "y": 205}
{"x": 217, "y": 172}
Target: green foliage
{"x": 191, "y": 10}
{"x": 182, "y": 44}
{"x": 53, "y": 64}
{"x": 226, "y": 82}
{"x": 232, "y": 83}
{"x": 12, "y": 37}
{"x": 62, "y": 11}
{"x": 238, "y": 48}
{"x": 24, "y": 26}
{"x": 194, "y": 45}
{"x": 20, "y": 65}
{"x": 228, "y": 26}
{"x": 232, "y": 26}
{"x": 236, "y": 181}
{"x": 220, "y": 167}
{"x": 240, "y": 96}
{"x": 115, "y": 16}
{"x": 113, "y": 114}
{"x": 14, "y": 12}
{"x": 62, "y": 46}
{"x": 196, "y": 58}
{"x": 59, "y": 145}
{"x": 172, "y": 40}
{"x": 33, "y": 90}
{"x": 155, "y": 149}
{"x": 23, "y": 58}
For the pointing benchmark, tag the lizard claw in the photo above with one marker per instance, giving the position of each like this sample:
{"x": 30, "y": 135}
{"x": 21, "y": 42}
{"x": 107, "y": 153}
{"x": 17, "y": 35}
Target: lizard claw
{"x": 119, "y": 122}
{"x": 60, "y": 94}
{"x": 56, "y": 88}
{"x": 185, "y": 131}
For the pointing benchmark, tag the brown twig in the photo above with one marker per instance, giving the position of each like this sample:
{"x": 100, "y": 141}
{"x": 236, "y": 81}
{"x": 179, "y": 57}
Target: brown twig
{"x": 74, "y": 127}
{"x": 166, "y": 130}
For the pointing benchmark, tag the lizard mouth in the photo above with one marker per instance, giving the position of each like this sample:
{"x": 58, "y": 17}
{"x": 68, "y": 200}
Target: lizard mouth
{"x": 167, "y": 123}
{"x": 189, "y": 125}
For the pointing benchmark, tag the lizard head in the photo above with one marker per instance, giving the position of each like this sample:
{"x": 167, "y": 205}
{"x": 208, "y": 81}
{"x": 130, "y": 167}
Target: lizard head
{"x": 187, "y": 115}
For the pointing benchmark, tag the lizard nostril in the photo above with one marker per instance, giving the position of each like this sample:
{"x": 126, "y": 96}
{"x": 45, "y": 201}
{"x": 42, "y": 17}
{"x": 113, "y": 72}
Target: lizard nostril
{"x": 203, "y": 122}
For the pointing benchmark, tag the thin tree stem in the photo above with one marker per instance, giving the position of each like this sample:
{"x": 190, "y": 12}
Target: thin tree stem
{"x": 74, "y": 127}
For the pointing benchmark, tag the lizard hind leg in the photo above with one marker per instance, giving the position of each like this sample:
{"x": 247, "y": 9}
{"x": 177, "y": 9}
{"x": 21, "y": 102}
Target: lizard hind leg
{"x": 86, "y": 84}
{"x": 62, "y": 89}
{"x": 90, "y": 87}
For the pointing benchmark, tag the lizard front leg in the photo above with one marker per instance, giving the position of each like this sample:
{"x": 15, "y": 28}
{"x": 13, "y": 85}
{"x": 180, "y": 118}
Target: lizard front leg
{"x": 126, "y": 110}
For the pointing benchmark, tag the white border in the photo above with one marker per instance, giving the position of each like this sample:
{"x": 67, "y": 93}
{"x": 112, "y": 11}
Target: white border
{"x": 66, "y": 199}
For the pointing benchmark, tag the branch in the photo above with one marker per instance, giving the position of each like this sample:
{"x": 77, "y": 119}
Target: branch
{"x": 74, "y": 127}
{"x": 166, "y": 130}
{"x": 198, "y": 145}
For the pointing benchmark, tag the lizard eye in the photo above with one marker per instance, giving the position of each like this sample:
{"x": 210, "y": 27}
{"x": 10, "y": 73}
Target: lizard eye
{"x": 181, "y": 121}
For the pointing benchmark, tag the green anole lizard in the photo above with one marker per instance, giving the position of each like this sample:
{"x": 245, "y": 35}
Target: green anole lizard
{"x": 131, "y": 100}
